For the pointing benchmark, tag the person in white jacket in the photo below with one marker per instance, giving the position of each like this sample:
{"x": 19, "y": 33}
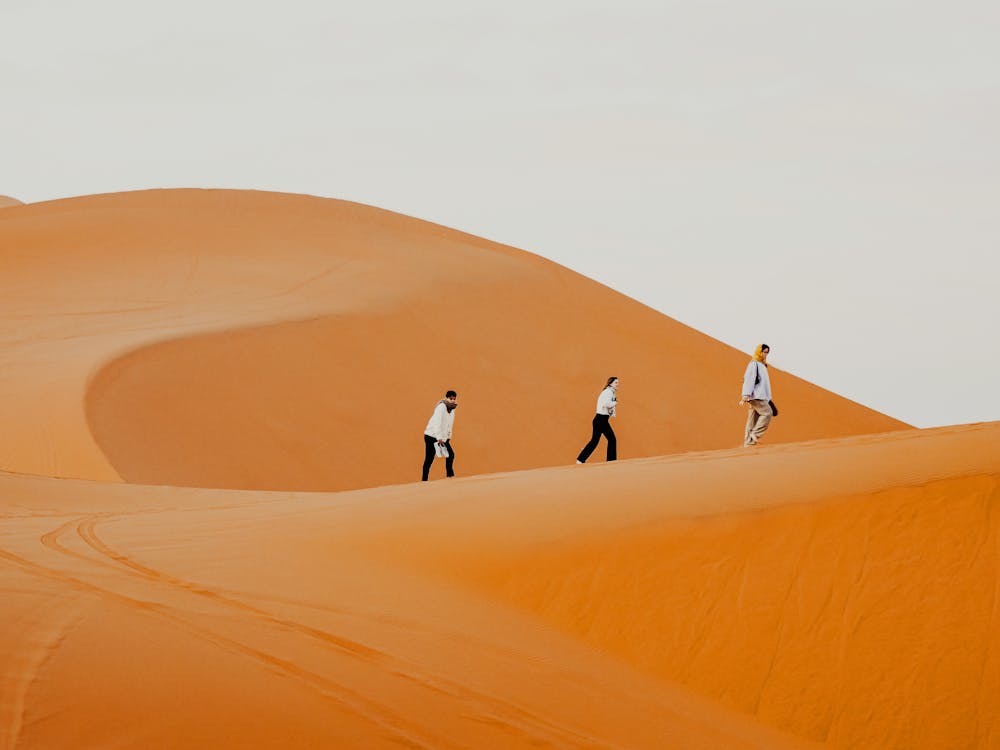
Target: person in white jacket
{"x": 607, "y": 402}
{"x": 438, "y": 433}
{"x": 757, "y": 393}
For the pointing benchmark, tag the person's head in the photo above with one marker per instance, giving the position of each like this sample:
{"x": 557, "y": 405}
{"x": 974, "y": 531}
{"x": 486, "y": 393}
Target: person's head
{"x": 612, "y": 382}
{"x": 761, "y": 352}
{"x": 451, "y": 397}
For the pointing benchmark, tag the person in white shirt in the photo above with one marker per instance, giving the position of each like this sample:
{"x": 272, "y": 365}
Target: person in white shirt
{"x": 606, "y": 404}
{"x": 438, "y": 433}
{"x": 757, "y": 393}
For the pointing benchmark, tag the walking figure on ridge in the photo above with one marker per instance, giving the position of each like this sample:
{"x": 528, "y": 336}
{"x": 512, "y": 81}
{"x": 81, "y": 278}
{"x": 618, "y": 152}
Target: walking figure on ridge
{"x": 757, "y": 393}
{"x": 606, "y": 405}
{"x": 437, "y": 435}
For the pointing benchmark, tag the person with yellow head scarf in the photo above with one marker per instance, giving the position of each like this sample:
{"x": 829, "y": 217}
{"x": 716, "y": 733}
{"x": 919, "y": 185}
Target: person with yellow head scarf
{"x": 757, "y": 393}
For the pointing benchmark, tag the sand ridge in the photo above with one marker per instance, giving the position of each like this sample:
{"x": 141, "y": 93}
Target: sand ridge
{"x": 489, "y": 611}
{"x": 257, "y": 340}
{"x": 257, "y": 367}
{"x": 354, "y": 654}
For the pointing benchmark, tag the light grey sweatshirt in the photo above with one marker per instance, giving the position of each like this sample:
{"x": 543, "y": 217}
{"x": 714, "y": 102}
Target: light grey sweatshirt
{"x": 762, "y": 390}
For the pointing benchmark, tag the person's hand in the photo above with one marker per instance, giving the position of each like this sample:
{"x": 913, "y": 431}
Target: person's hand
{"x": 440, "y": 442}
{"x": 742, "y": 401}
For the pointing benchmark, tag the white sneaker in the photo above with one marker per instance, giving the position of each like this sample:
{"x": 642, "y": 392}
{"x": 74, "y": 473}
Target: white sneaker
{"x": 580, "y": 462}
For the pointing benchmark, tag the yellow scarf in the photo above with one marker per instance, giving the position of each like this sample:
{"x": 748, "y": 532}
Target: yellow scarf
{"x": 758, "y": 353}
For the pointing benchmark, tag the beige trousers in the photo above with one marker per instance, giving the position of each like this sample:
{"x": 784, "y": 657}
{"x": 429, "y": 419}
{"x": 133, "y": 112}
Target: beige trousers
{"x": 758, "y": 418}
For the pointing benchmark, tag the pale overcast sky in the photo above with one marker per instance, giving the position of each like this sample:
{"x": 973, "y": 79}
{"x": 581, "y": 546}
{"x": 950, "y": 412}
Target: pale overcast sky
{"x": 822, "y": 176}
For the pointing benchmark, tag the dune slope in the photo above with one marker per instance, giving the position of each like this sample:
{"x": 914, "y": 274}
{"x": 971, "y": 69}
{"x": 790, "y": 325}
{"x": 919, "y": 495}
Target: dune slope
{"x": 161, "y": 617}
{"x": 255, "y": 340}
{"x": 670, "y": 602}
{"x": 837, "y": 587}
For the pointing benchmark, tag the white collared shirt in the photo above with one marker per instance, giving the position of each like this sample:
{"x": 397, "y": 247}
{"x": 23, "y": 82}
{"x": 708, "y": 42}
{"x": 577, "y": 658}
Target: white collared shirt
{"x": 607, "y": 401}
{"x": 441, "y": 423}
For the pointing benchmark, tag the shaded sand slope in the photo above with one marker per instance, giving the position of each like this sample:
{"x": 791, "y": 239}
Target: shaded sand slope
{"x": 846, "y": 592}
{"x": 86, "y": 279}
{"x": 8, "y": 201}
{"x": 255, "y": 340}
{"x": 140, "y": 617}
{"x": 841, "y": 590}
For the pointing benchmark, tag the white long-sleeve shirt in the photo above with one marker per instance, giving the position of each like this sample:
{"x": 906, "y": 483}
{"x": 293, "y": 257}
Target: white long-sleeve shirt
{"x": 607, "y": 401}
{"x": 441, "y": 423}
{"x": 762, "y": 390}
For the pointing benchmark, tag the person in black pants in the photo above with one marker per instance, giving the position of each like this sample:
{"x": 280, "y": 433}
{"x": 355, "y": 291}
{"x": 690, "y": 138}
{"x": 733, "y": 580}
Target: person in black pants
{"x": 438, "y": 434}
{"x": 430, "y": 453}
{"x": 606, "y": 404}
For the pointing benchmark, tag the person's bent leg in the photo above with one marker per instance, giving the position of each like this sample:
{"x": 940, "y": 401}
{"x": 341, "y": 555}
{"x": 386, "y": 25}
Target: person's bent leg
{"x": 449, "y": 463}
{"x": 764, "y": 415}
{"x": 751, "y": 421}
{"x": 595, "y": 438}
{"x": 428, "y": 455}
{"x": 612, "y": 442}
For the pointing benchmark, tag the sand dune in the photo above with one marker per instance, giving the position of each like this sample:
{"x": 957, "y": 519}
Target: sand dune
{"x": 256, "y": 340}
{"x": 354, "y": 654}
{"x": 597, "y": 606}
{"x": 837, "y": 587}
{"x": 8, "y": 201}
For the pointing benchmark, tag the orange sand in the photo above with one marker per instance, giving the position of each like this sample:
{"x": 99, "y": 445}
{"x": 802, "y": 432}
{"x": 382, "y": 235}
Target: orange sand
{"x": 266, "y": 341}
{"x": 837, "y": 592}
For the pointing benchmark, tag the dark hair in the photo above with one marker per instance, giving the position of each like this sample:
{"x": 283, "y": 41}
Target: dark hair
{"x": 449, "y": 394}
{"x": 765, "y": 346}
{"x": 611, "y": 380}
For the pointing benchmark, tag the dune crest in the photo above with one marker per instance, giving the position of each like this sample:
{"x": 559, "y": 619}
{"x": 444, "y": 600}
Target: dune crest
{"x": 644, "y": 604}
{"x": 836, "y": 587}
{"x": 255, "y": 340}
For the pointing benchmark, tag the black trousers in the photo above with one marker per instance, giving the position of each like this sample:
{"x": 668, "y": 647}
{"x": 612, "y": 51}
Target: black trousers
{"x": 449, "y": 463}
{"x": 602, "y": 426}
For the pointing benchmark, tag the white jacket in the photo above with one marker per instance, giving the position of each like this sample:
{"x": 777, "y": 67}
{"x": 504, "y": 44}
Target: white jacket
{"x": 607, "y": 401}
{"x": 441, "y": 423}
{"x": 762, "y": 390}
